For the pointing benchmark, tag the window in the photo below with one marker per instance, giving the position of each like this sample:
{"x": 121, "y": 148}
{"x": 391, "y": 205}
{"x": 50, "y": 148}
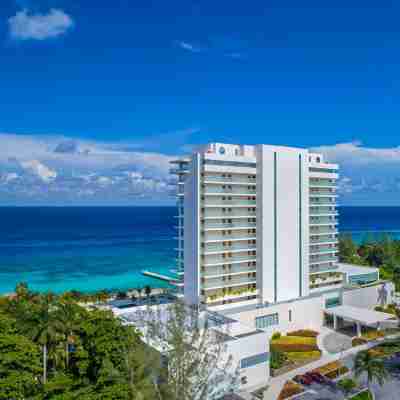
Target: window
{"x": 267, "y": 320}
{"x": 254, "y": 360}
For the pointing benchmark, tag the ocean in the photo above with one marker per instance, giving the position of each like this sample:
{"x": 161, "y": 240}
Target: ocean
{"x": 93, "y": 248}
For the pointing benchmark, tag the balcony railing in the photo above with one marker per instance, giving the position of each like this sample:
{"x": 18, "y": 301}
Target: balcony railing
{"x": 219, "y": 284}
{"x": 216, "y": 261}
{"x": 323, "y": 268}
{"x": 324, "y": 239}
{"x": 220, "y": 226}
{"x": 323, "y": 259}
{"x": 225, "y": 249}
{"x": 229, "y": 203}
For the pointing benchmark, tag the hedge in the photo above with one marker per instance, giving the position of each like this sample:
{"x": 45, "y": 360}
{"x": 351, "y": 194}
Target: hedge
{"x": 303, "y": 355}
{"x": 294, "y": 344}
{"x": 358, "y": 341}
{"x": 304, "y": 333}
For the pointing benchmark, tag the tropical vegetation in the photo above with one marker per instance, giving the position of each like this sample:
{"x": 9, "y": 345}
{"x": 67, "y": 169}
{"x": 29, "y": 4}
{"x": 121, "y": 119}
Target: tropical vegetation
{"x": 54, "y": 347}
{"x": 382, "y": 253}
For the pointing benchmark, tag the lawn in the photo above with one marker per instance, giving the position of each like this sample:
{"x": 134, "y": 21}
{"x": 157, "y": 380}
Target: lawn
{"x": 294, "y": 344}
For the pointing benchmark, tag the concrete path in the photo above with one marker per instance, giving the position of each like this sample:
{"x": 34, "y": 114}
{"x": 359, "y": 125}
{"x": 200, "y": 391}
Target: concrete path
{"x": 276, "y": 384}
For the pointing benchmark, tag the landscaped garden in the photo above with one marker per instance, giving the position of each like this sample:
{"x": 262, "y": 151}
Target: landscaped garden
{"x": 295, "y": 349}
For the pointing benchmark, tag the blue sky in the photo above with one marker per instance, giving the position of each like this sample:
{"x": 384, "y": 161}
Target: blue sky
{"x": 97, "y": 96}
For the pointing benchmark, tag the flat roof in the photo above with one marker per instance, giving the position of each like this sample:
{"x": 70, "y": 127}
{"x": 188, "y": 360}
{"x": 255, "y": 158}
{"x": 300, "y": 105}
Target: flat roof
{"x": 352, "y": 269}
{"x": 357, "y": 314}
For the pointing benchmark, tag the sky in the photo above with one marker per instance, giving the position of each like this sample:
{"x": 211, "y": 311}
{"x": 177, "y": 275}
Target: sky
{"x": 97, "y": 97}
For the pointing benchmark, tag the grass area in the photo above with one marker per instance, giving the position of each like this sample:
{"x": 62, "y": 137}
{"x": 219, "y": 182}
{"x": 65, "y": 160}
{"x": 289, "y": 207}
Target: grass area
{"x": 362, "y": 396}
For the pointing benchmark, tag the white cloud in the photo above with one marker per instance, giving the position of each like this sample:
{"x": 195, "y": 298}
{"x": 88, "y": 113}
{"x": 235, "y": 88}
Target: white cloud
{"x": 368, "y": 175}
{"x": 40, "y": 170}
{"x": 32, "y": 168}
{"x": 25, "y": 25}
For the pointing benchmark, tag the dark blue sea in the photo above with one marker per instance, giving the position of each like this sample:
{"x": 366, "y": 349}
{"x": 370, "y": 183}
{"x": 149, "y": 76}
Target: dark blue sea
{"x": 92, "y": 248}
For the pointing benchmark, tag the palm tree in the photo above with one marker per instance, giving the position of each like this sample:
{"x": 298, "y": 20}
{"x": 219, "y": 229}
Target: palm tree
{"x": 42, "y": 327}
{"x": 375, "y": 369}
{"x": 68, "y": 315}
{"x": 147, "y": 291}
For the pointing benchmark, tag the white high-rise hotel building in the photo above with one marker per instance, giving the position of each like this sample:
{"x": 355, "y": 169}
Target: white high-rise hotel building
{"x": 256, "y": 224}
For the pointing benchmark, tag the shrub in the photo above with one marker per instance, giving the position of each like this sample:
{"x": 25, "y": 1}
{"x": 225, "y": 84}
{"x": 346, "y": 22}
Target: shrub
{"x": 379, "y": 308}
{"x": 277, "y": 359}
{"x": 304, "y": 333}
{"x": 303, "y": 355}
{"x": 347, "y": 385}
{"x": 358, "y": 341}
{"x": 289, "y": 390}
{"x": 276, "y": 335}
{"x": 294, "y": 343}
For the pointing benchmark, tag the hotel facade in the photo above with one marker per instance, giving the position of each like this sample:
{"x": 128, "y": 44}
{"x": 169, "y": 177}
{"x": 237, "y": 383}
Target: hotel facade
{"x": 256, "y": 224}
{"x": 257, "y": 251}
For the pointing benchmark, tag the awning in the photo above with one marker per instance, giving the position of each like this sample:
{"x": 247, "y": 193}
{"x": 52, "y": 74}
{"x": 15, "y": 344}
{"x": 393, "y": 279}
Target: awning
{"x": 361, "y": 315}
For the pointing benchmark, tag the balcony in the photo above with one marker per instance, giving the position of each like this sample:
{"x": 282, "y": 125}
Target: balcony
{"x": 330, "y": 267}
{"x": 324, "y": 239}
{"x": 211, "y": 250}
{"x": 315, "y": 260}
{"x": 219, "y": 283}
{"x": 177, "y": 171}
{"x": 220, "y": 226}
{"x": 215, "y": 272}
{"x": 228, "y": 213}
{"x": 242, "y": 193}
{"x": 322, "y": 183}
{"x": 229, "y": 203}
{"x": 227, "y": 294}
{"x": 315, "y": 250}
{"x": 319, "y": 200}
{"x": 224, "y": 181}
{"x": 228, "y": 235}
{"x": 213, "y": 261}
{"x": 231, "y": 179}
{"x": 328, "y": 220}
{"x": 323, "y": 230}
{"x": 327, "y": 212}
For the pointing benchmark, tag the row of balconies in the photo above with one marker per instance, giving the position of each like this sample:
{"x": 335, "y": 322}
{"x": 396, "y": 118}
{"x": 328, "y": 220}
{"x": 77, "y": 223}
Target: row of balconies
{"x": 321, "y": 182}
{"x": 229, "y": 178}
{"x": 324, "y": 249}
{"x": 228, "y": 258}
{"x": 228, "y": 269}
{"x": 319, "y": 239}
{"x": 323, "y": 220}
{"x": 323, "y": 258}
{"x": 228, "y": 190}
{"x": 229, "y": 295}
{"x": 322, "y": 200}
{"x": 228, "y": 234}
{"x": 209, "y": 249}
{"x": 228, "y": 281}
{"x": 231, "y": 213}
{"x": 326, "y": 267}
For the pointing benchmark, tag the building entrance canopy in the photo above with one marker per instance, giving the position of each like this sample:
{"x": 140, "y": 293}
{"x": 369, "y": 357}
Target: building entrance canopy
{"x": 363, "y": 316}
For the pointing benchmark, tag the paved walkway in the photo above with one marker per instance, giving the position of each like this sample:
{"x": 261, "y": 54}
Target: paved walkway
{"x": 276, "y": 384}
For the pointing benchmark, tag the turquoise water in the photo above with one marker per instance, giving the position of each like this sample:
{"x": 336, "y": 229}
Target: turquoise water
{"x": 97, "y": 248}
{"x": 85, "y": 249}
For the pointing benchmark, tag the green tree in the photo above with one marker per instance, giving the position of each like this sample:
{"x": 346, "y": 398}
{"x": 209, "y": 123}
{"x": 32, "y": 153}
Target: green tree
{"x": 42, "y": 326}
{"x": 347, "y": 385}
{"x": 68, "y": 317}
{"x": 195, "y": 354}
{"x": 19, "y": 367}
{"x": 374, "y": 368}
{"x": 347, "y": 249}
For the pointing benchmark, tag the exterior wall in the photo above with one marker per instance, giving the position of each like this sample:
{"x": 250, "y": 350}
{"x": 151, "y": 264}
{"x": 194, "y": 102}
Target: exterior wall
{"x": 191, "y": 232}
{"x": 305, "y": 314}
{"x": 282, "y": 223}
{"x": 249, "y": 346}
{"x": 368, "y": 297}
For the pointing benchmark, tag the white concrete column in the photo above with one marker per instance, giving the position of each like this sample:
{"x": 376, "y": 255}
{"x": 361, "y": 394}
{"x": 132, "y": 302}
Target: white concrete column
{"x": 358, "y": 329}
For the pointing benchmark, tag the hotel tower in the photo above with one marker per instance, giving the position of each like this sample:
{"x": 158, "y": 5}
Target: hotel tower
{"x": 255, "y": 224}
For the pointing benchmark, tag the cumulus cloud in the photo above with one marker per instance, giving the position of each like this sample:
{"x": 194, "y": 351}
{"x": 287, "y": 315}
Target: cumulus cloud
{"x": 25, "y": 25}
{"x": 40, "y": 170}
{"x": 368, "y": 175}
{"x": 56, "y": 169}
